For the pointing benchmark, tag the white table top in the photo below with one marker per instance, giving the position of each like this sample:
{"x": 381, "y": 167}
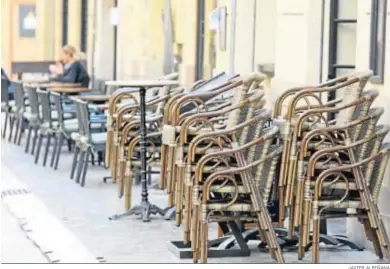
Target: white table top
{"x": 142, "y": 83}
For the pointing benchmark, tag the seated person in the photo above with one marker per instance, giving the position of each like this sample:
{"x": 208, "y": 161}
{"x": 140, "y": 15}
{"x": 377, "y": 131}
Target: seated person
{"x": 70, "y": 69}
{"x": 10, "y": 89}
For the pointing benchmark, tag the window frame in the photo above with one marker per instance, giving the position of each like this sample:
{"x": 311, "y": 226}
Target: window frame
{"x": 374, "y": 61}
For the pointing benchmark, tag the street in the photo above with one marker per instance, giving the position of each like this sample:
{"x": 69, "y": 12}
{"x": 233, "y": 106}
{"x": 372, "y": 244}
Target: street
{"x": 71, "y": 223}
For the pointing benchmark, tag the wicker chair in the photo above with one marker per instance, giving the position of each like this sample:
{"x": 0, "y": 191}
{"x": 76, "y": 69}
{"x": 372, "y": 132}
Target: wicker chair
{"x": 176, "y": 111}
{"x": 127, "y": 96}
{"x": 360, "y": 180}
{"x": 233, "y": 135}
{"x": 127, "y": 118}
{"x": 185, "y": 126}
{"x": 294, "y": 186}
{"x": 349, "y": 87}
{"x": 244, "y": 189}
{"x": 154, "y": 141}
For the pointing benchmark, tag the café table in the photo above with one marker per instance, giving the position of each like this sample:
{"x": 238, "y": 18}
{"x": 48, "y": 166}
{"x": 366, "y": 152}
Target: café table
{"x": 67, "y": 89}
{"x": 145, "y": 208}
{"x": 95, "y": 98}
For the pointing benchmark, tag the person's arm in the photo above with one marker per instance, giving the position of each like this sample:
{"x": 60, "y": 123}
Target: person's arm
{"x": 56, "y": 69}
{"x": 70, "y": 75}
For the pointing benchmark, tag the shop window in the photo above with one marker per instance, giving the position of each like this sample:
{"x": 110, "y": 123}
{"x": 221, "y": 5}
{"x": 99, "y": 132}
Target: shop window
{"x": 378, "y": 39}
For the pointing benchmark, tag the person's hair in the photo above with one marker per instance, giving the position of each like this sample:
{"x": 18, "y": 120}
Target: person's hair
{"x": 72, "y": 51}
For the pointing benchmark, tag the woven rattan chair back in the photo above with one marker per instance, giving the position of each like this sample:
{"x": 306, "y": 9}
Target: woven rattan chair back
{"x": 378, "y": 171}
{"x": 371, "y": 148}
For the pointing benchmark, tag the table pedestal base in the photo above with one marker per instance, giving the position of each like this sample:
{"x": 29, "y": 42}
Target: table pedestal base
{"x": 170, "y": 213}
{"x": 145, "y": 209}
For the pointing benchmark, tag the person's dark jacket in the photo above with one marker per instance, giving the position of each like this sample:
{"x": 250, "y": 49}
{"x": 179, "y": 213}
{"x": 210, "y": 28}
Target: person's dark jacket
{"x": 76, "y": 73}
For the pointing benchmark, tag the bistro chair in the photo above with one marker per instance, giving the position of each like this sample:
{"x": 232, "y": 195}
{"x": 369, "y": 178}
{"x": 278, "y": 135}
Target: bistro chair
{"x": 86, "y": 142}
{"x": 6, "y": 105}
{"x": 360, "y": 182}
{"x": 238, "y": 193}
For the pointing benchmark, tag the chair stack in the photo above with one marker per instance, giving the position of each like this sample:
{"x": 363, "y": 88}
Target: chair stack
{"x": 333, "y": 160}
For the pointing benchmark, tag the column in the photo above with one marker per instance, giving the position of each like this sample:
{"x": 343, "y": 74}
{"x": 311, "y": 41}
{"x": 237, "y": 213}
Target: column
{"x": 297, "y": 51}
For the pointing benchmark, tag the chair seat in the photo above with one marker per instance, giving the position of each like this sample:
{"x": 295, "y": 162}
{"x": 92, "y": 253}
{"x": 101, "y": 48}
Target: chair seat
{"x": 26, "y": 109}
{"x": 54, "y": 115}
{"x": 73, "y": 126}
{"x": 98, "y": 138}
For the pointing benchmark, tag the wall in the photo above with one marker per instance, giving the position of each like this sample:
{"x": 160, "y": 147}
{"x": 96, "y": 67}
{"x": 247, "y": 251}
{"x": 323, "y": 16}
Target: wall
{"x": 103, "y": 47}
{"x": 47, "y": 43}
{"x": 355, "y": 231}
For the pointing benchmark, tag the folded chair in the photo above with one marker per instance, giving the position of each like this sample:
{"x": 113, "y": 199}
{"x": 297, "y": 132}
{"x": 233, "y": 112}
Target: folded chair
{"x": 238, "y": 193}
{"x": 5, "y": 104}
{"x": 359, "y": 180}
{"x": 301, "y": 100}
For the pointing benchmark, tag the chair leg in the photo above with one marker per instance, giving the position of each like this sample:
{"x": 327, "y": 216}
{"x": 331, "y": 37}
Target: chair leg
{"x": 16, "y": 130}
{"x": 46, "y": 149}
{"x": 38, "y": 151}
{"x": 58, "y": 151}
{"x": 74, "y": 163}
{"x": 69, "y": 145}
{"x": 92, "y": 158}
{"x": 12, "y": 123}
{"x": 80, "y": 165}
{"x": 316, "y": 239}
{"x": 21, "y": 131}
{"x": 5, "y": 124}
{"x": 54, "y": 153}
{"x": 34, "y": 140}
{"x": 28, "y": 138}
{"x": 85, "y": 168}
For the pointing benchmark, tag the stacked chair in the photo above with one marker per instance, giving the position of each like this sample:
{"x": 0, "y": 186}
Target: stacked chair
{"x": 219, "y": 161}
{"x": 333, "y": 160}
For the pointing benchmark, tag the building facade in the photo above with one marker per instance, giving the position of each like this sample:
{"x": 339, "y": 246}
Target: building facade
{"x": 297, "y": 41}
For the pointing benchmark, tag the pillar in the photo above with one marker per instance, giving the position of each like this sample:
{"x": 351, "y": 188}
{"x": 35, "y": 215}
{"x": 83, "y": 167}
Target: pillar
{"x": 297, "y": 50}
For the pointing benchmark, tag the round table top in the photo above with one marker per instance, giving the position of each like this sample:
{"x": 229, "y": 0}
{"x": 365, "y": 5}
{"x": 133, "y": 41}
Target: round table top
{"x": 53, "y": 85}
{"x": 142, "y": 83}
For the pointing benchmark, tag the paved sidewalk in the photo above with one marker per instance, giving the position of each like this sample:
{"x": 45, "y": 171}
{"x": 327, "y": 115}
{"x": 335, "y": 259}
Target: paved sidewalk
{"x": 15, "y": 246}
{"x": 39, "y": 225}
{"x": 85, "y": 212}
